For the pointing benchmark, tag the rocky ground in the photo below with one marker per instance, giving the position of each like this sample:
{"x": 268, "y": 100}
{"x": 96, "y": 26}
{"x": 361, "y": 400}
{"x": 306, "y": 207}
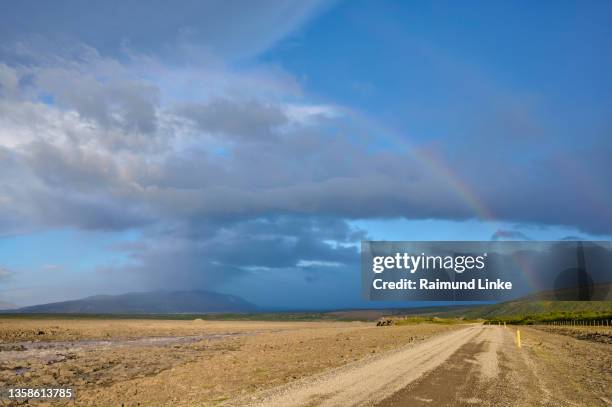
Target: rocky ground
{"x": 144, "y": 362}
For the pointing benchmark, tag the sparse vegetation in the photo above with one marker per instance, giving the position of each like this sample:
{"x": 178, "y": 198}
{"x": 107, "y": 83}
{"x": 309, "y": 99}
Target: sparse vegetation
{"x": 558, "y": 316}
{"x": 528, "y": 312}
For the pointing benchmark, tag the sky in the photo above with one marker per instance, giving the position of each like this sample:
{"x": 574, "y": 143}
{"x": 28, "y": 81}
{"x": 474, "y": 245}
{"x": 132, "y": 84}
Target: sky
{"x": 248, "y": 148}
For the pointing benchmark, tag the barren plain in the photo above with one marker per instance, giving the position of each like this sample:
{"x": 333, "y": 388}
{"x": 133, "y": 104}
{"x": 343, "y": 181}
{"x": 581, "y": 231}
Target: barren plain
{"x": 135, "y": 362}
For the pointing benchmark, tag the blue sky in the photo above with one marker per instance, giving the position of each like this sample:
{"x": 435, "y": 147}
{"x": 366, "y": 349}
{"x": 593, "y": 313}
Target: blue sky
{"x": 245, "y": 149}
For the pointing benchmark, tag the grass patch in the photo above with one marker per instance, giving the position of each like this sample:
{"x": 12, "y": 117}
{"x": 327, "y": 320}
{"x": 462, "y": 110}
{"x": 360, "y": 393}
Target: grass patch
{"x": 530, "y": 319}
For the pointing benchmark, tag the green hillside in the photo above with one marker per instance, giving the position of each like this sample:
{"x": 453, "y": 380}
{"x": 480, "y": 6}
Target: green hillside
{"x": 532, "y": 311}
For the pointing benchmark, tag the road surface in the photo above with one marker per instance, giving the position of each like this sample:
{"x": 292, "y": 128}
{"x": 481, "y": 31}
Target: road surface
{"x": 475, "y": 365}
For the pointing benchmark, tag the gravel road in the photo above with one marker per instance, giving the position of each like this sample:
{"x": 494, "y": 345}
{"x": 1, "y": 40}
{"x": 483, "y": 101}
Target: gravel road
{"x": 367, "y": 382}
{"x": 476, "y": 365}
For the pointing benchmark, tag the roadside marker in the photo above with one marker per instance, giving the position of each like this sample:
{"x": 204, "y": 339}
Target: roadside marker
{"x": 504, "y": 324}
{"x": 518, "y": 338}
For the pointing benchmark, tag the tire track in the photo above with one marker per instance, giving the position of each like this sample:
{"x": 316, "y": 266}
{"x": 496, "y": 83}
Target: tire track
{"x": 367, "y": 382}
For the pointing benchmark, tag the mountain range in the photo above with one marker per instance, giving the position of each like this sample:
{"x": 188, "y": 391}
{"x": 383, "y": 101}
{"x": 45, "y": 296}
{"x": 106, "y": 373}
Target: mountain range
{"x": 155, "y": 302}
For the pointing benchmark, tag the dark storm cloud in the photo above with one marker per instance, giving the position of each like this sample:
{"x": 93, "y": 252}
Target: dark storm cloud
{"x": 236, "y": 183}
{"x": 243, "y": 119}
{"x": 226, "y": 250}
{"x": 556, "y": 187}
{"x": 244, "y": 158}
{"x": 69, "y": 168}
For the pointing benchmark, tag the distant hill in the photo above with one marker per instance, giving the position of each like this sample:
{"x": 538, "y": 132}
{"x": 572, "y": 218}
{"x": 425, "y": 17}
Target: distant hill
{"x": 533, "y": 307}
{"x": 546, "y": 302}
{"x": 157, "y": 302}
{"x": 603, "y": 292}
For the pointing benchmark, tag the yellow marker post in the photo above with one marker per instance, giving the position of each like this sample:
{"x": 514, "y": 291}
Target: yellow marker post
{"x": 518, "y": 338}
{"x": 504, "y": 324}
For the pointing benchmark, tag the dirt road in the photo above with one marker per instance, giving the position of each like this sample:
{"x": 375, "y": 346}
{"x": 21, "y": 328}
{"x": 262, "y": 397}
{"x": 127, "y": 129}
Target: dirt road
{"x": 477, "y": 365}
{"x": 211, "y": 363}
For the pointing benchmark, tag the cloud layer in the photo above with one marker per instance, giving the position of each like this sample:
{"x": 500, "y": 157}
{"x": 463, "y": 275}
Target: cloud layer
{"x": 228, "y": 171}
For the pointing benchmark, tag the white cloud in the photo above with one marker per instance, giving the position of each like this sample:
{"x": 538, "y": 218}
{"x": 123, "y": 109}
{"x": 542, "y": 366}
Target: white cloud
{"x": 308, "y": 114}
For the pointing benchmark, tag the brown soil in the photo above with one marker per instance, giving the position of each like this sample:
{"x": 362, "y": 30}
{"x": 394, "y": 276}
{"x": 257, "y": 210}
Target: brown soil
{"x": 587, "y": 333}
{"x": 137, "y": 362}
{"x": 548, "y": 370}
{"x": 144, "y": 362}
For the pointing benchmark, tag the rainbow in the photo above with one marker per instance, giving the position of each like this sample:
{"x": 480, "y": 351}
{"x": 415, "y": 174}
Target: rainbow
{"x": 461, "y": 188}
{"x": 432, "y": 163}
